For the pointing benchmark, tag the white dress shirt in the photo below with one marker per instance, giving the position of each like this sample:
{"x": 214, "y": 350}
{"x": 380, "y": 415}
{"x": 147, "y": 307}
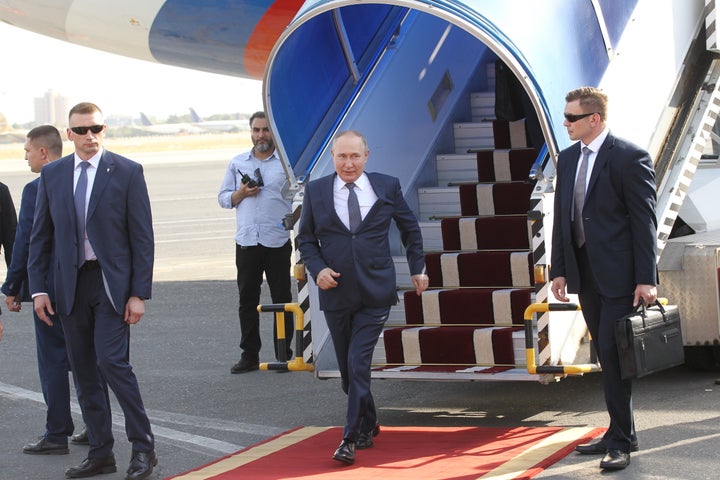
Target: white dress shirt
{"x": 365, "y": 194}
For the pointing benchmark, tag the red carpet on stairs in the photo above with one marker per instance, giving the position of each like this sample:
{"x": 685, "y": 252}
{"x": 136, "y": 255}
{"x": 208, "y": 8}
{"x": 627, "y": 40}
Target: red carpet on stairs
{"x": 411, "y": 453}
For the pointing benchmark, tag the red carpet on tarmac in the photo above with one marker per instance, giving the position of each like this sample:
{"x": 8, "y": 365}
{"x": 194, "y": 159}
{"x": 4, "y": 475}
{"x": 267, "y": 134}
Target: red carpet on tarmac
{"x": 410, "y": 453}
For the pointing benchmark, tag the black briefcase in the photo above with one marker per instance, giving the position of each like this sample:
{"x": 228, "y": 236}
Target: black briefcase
{"x": 649, "y": 340}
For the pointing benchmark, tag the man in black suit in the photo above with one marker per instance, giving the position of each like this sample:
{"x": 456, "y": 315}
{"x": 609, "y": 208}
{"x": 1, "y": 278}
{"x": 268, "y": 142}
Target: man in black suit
{"x": 344, "y": 243}
{"x": 93, "y": 227}
{"x": 42, "y": 145}
{"x": 604, "y": 248}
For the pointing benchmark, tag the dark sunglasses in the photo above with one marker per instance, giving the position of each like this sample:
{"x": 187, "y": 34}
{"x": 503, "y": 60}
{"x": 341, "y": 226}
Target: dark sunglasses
{"x": 84, "y": 130}
{"x": 574, "y": 118}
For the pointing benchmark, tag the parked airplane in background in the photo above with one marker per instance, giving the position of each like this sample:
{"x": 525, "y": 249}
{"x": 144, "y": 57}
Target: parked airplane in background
{"x": 166, "y": 128}
{"x": 218, "y": 125}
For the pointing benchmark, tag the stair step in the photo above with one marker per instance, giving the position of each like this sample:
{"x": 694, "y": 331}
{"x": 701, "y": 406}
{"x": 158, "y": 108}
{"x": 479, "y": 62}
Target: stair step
{"x": 492, "y": 268}
{"x": 482, "y": 105}
{"x": 470, "y": 345}
{"x": 436, "y": 202}
{"x": 456, "y": 168}
{"x": 485, "y": 233}
{"x": 484, "y": 199}
{"x": 432, "y": 235}
{"x": 473, "y": 135}
{"x": 479, "y": 306}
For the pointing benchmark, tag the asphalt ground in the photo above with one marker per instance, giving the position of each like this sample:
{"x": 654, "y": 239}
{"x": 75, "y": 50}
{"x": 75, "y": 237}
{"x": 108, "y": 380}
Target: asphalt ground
{"x": 184, "y": 347}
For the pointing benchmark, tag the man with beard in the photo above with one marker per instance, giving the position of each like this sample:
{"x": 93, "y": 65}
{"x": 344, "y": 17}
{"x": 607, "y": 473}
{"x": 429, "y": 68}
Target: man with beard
{"x": 253, "y": 187}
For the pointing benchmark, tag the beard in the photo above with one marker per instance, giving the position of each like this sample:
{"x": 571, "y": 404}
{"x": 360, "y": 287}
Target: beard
{"x": 264, "y": 147}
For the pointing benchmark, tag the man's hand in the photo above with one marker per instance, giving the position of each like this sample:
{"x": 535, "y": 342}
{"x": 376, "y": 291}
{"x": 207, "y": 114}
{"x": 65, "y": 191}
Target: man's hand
{"x": 420, "y": 282}
{"x": 558, "y": 289}
{"x": 134, "y": 310}
{"x": 13, "y": 303}
{"x": 243, "y": 192}
{"x": 646, "y": 292}
{"x": 43, "y": 308}
{"x": 326, "y": 278}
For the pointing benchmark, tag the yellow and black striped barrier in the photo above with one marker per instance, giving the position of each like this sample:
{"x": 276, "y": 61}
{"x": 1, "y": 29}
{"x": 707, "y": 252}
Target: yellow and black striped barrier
{"x": 532, "y": 366}
{"x": 298, "y": 364}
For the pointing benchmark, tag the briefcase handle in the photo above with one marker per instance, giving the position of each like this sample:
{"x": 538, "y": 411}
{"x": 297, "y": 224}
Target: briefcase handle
{"x": 642, "y": 307}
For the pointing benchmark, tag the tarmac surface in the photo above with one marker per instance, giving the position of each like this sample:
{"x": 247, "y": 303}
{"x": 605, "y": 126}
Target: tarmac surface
{"x": 183, "y": 348}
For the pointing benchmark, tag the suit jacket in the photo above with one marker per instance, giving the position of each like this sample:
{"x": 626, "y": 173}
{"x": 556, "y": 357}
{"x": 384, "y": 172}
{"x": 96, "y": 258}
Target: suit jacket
{"x": 363, "y": 258}
{"x": 8, "y": 222}
{"x": 618, "y": 217}
{"x": 16, "y": 282}
{"x": 118, "y": 225}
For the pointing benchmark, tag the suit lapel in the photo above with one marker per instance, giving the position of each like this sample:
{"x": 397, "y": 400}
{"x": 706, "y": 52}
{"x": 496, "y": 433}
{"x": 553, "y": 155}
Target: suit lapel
{"x": 328, "y": 197}
{"x": 106, "y": 167}
{"x": 67, "y": 173}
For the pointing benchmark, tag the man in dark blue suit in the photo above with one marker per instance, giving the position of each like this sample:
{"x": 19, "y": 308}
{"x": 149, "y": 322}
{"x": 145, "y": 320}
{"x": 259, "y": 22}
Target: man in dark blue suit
{"x": 604, "y": 248}
{"x": 103, "y": 275}
{"x": 343, "y": 241}
{"x": 42, "y": 145}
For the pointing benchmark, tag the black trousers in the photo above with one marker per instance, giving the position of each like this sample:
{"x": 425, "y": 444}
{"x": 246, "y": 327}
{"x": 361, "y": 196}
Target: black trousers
{"x": 355, "y": 332}
{"x": 600, "y": 314}
{"x": 251, "y": 263}
{"x": 98, "y": 344}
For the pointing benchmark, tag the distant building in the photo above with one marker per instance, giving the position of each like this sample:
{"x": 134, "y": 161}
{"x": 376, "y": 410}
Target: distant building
{"x": 51, "y": 108}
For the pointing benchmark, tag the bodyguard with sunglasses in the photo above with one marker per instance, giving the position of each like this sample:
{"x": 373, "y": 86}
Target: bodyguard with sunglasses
{"x": 93, "y": 228}
{"x": 253, "y": 187}
{"x": 604, "y": 248}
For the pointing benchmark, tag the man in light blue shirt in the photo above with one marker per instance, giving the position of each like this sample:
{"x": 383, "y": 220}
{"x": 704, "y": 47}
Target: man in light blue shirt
{"x": 253, "y": 187}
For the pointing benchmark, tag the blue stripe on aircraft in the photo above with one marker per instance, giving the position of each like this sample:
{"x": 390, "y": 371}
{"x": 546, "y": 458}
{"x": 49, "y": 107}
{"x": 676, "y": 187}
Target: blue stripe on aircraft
{"x": 209, "y": 36}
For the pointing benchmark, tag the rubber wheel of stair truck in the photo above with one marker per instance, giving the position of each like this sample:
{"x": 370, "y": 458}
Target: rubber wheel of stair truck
{"x": 703, "y": 357}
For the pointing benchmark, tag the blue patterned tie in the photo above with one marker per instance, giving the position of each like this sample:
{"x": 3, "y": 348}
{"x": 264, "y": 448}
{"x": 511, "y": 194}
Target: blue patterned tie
{"x": 80, "y": 192}
{"x": 355, "y": 218}
{"x": 579, "y": 198}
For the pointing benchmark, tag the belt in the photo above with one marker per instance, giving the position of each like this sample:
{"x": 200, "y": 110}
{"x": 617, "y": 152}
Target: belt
{"x": 89, "y": 265}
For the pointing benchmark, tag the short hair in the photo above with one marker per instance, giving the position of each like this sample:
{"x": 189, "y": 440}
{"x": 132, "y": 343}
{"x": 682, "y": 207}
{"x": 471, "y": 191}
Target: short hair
{"x": 83, "y": 108}
{"x": 47, "y": 136}
{"x": 353, "y": 133}
{"x": 256, "y": 115}
{"x": 591, "y": 100}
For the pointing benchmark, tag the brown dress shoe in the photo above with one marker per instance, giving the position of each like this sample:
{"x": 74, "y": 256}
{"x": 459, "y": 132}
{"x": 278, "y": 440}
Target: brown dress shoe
{"x": 44, "y": 447}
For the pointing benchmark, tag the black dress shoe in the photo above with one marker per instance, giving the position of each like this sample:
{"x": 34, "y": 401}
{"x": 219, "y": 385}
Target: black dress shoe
{"x": 600, "y": 448}
{"x": 91, "y": 467}
{"x": 43, "y": 447}
{"x": 244, "y": 366}
{"x": 365, "y": 440}
{"x": 80, "y": 438}
{"x": 141, "y": 465}
{"x": 615, "y": 460}
{"x": 345, "y": 452}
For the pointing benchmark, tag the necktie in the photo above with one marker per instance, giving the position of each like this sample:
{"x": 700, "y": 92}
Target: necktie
{"x": 80, "y": 192}
{"x": 579, "y": 199}
{"x": 353, "y": 207}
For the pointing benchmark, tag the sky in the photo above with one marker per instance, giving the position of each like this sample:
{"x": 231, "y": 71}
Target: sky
{"x": 32, "y": 64}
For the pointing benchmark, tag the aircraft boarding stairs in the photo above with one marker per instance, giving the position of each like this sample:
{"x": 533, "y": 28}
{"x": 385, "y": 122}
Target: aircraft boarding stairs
{"x": 469, "y": 324}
